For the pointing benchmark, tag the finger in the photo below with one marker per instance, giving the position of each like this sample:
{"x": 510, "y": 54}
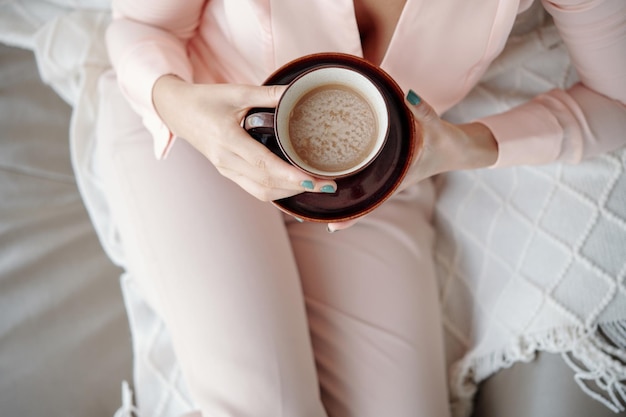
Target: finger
{"x": 335, "y": 227}
{"x": 267, "y": 188}
{"x": 258, "y": 181}
{"x": 261, "y": 192}
{"x": 269, "y": 170}
{"x": 428, "y": 122}
{"x": 268, "y": 183}
{"x": 422, "y": 111}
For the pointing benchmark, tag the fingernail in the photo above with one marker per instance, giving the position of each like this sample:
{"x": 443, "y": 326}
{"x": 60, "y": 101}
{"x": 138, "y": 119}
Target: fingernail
{"x": 299, "y": 220}
{"x": 329, "y": 230}
{"x": 308, "y": 184}
{"x": 413, "y": 98}
{"x": 327, "y": 189}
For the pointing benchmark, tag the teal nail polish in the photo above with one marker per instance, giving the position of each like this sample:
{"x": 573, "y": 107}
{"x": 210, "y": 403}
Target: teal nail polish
{"x": 327, "y": 189}
{"x": 413, "y": 98}
{"x": 307, "y": 184}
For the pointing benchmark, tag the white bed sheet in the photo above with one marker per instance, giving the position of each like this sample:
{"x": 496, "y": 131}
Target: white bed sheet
{"x": 64, "y": 339}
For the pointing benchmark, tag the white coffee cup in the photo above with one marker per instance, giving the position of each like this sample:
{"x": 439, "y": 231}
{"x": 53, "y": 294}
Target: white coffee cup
{"x": 331, "y": 121}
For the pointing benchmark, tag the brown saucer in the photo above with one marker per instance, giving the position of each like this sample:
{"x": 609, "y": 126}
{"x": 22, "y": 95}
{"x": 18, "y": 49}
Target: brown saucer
{"x": 362, "y": 192}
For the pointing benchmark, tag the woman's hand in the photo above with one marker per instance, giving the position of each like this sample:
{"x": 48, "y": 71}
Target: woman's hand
{"x": 209, "y": 117}
{"x": 446, "y": 147}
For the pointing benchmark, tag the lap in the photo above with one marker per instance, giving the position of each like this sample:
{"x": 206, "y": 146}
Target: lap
{"x": 372, "y": 299}
{"x": 239, "y": 289}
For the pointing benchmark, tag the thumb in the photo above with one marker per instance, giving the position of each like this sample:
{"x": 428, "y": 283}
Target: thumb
{"x": 422, "y": 111}
{"x": 263, "y": 96}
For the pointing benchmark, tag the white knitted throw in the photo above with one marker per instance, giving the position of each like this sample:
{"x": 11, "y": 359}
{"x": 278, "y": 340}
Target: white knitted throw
{"x": 533, "y": 258}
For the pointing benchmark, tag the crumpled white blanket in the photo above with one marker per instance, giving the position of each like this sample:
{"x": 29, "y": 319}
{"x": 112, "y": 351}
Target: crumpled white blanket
{"x": 528, "y": 258}
{"x": 66, "y": 37}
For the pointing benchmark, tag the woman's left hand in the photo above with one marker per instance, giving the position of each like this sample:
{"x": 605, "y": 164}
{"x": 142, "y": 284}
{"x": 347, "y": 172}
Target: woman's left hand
{"x": 446, "y": 147}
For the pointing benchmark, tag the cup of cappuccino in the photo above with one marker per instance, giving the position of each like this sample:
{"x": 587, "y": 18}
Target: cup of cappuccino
{"x": 331, "y": 122}
{"x": 344, "y": 118}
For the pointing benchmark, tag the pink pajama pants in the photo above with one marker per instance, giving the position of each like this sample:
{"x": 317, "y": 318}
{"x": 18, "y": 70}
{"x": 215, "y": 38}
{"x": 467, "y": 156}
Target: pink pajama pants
{"x": 268, "y": 316}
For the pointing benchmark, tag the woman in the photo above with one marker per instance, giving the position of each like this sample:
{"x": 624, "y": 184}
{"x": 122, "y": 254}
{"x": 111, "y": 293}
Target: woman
{"x": 270, "y": 316}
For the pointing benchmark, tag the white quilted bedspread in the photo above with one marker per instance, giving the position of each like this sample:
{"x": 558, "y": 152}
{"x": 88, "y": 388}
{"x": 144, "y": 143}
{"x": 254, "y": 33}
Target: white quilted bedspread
{"x": 531, "y": 258}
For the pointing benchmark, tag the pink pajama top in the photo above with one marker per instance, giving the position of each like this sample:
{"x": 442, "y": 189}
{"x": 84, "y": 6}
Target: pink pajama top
{"x": 439, "y": 49}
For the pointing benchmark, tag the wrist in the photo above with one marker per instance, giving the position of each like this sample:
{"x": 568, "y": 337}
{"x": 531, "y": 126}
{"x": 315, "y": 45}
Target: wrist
{"x": 164, "y": 88}
{"x": 164, "y": 96}
{"x": 475, "y": 148}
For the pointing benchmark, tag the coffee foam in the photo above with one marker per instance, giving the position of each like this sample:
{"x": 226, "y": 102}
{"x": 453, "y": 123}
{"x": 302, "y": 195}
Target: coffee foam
{"x": 332, "y": 128}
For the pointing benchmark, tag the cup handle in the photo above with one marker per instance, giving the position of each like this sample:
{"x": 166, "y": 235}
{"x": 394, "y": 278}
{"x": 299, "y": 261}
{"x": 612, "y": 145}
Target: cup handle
{"x": 259, "y": 123}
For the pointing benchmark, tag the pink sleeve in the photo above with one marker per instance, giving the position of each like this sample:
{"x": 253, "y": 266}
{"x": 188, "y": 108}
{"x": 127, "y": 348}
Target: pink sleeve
{"x": 590, "y": 117}
{"x": 147, "y": 39}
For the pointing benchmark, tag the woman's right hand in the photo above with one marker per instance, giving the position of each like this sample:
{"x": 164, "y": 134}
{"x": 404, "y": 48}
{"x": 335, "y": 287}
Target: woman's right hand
{"x": 209, "y": 116}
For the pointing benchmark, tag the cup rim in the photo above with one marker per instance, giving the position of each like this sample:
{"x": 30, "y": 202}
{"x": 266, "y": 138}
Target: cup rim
{"x": 381, "y": 137}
